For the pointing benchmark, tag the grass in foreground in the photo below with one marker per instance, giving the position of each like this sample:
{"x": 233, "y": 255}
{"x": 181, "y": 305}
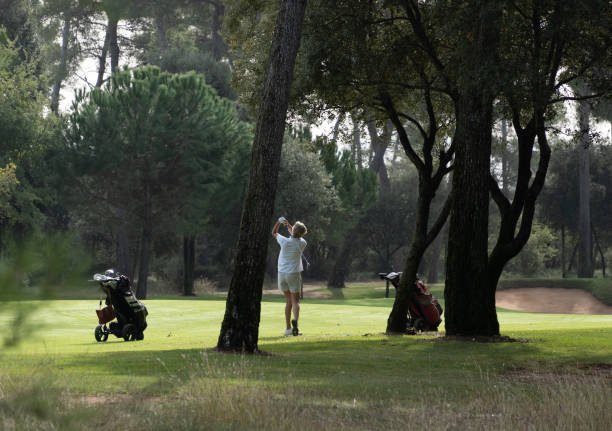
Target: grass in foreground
{"x": 343, "y": 373}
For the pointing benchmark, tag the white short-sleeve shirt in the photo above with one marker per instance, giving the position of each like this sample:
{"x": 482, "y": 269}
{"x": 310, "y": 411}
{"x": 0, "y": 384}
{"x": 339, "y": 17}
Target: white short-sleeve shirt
{"x": 290, "y": 256}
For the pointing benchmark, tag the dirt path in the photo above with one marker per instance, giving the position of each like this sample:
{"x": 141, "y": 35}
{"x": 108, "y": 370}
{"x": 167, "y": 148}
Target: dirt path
{"x": 550, "y": 300}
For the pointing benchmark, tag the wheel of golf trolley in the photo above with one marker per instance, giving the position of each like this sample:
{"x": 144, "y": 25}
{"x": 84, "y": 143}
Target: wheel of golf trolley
{"x": 129, "y": 332}
{"x": 419, "y": 324}
{"x": 100, "y": 335}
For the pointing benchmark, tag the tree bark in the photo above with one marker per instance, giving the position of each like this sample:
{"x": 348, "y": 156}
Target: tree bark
{"x": 188, "y": 264}
{"x": 113, "y": 44}
{"x": 585, "y": 248}
{"x": 240, "y": 326}
{"x": 61, "y": 69}
{"x": 470, "y": 304}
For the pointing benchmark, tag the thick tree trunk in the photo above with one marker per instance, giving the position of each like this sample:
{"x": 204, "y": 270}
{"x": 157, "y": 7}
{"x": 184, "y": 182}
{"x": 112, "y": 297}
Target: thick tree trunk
{"x": 188, "y": 264}
{"x": 61, "y": 69}
{"x": 470, "y": 305}
{"x": 240, "y": 326}
{"x": 585, "y": 248}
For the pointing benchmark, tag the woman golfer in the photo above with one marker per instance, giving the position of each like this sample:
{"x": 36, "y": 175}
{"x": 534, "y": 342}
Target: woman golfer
{"x": 289, "y": 270}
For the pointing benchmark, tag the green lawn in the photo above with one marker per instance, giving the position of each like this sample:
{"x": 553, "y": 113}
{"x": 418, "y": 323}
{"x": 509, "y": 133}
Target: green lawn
{"x": 343, "y": 372}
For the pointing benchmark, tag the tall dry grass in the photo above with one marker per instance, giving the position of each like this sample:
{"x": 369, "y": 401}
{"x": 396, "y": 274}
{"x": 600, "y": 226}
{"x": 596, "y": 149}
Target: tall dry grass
{"x": 234, "y": 397}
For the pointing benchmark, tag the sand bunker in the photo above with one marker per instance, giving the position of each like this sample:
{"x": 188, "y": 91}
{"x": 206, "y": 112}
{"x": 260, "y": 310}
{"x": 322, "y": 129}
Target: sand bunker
{"x": 551, "y": 300}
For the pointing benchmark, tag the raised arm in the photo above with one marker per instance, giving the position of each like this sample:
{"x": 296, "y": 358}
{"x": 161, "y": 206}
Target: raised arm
{"x": 275, "y": 229}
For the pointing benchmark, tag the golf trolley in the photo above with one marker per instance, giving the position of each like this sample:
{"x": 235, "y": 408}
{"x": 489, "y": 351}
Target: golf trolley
{"x": 122, "y": 305}
{"x": 424, "y": 310}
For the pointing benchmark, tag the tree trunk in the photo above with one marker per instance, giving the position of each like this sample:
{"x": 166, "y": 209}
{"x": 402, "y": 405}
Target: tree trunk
{"x": 102, "y": 58}
{"x": 563, "y": 273}
{"x": 585, "y": 248}
{"x": 143, "y": 269}
{"x": 218, "y": 46}
{"x": 188, "y": 264}
{"x": 379, "y": 147}
{"x": 160, "y": 21}
{"x": 145, "y": 245}
{"x": 601, "y": 253}
{"x": 123, "y": 250}
{"x": 470, "y": 304}
{"x": 572, "y": 258}
{"x": 61, "y": 69}
{"x": 113, "y": 44}
{"x": 341, "y": 267}
{"x": 240, "y": 326}
{"x": 404, "y": 294}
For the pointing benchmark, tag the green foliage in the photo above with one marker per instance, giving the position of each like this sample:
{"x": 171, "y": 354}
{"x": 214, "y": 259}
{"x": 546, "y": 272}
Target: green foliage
{"x": 305, "y": 192}
{"x": 157, "y": 148}
{"x": 27, "y": 140}
{"x": 154, "y": 129}
{"x": 559, "y": 201}
{"x": 186, "y": 26}
{"x": 538, "y": 254}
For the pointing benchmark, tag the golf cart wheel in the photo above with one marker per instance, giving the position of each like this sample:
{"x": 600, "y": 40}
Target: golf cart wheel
{"x": 129, "y": 332}
{"x": 419, "y": 324}
{"x": 100, "y": 334}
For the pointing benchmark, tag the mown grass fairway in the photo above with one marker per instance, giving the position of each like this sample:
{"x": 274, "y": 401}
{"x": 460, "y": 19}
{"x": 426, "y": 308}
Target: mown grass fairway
{"x": 342, "y": 373}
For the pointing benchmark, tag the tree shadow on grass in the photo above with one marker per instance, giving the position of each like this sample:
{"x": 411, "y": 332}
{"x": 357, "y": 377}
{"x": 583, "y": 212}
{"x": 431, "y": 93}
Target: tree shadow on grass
{"x": 342, "y": 365}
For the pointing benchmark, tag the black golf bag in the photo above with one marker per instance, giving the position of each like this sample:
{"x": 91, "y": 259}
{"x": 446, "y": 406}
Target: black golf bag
{"x": 121, "y": 303}
{"x": 424, "y": 310}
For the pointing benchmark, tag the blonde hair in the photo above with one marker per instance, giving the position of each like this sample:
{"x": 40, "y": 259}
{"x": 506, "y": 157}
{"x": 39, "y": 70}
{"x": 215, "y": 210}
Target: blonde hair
{"x": 299, "y": 230}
